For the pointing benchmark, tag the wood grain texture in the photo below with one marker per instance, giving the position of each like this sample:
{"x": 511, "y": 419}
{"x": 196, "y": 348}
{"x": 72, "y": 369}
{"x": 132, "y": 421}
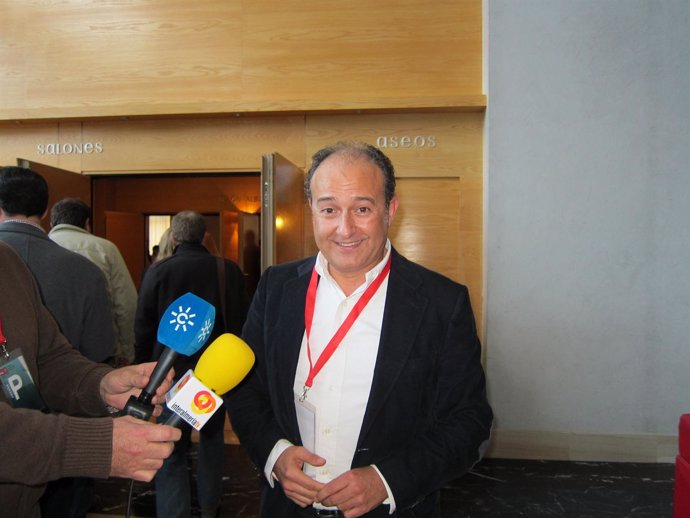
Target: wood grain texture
{"x": 219, "y": 144}
{"x": 87, "y": 59}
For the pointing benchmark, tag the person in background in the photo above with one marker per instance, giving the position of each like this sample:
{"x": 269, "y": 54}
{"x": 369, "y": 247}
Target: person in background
{"x": 70, "y": 219}
{"x": 368, "y": 393}
{"x": 39, "y": 446}
{"x": 163, "y": 249}
{"x": 154, "y": 254}
{"x": 190, "y": 268}
{"x": 73, "y": 289}
{"x": 165, "y": 245}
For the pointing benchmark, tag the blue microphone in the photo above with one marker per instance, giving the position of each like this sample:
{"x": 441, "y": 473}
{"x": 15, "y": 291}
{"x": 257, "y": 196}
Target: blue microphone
{"x": 183, "y": 329}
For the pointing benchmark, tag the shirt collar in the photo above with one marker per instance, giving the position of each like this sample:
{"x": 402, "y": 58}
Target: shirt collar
{"x": 25, "y": 222}
{"x": 322, "y": 268}
{"x": 67, "y": 226}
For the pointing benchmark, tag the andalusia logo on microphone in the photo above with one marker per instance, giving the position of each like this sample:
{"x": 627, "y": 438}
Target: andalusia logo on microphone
{"x": 183, "y": 318}
{"x": 186, "y": 324}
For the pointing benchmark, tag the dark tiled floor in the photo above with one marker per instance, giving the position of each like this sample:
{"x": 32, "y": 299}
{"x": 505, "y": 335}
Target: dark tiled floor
{"x": 494, "y": 488}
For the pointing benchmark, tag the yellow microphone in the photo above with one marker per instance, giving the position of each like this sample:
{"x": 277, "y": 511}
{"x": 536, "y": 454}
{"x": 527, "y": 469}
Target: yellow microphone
{"x": 221, "y": 367}
{"x": 225, "y": 363}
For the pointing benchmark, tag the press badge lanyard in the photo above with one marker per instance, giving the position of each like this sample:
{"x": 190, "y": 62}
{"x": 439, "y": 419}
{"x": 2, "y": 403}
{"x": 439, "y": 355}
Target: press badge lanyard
{"x": 333, "y": 344}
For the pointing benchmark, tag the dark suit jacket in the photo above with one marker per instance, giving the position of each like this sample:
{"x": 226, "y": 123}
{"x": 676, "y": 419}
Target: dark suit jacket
{"x": 427, "y": 414}
{"x": 73, "y": 288}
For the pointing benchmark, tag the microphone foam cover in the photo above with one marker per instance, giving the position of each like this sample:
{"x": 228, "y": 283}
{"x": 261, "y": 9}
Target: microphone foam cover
{"x": 224, "y": 363}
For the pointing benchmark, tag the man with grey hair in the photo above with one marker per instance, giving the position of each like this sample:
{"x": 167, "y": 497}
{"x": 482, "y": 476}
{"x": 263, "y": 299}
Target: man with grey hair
{"x": 190, "y": 268}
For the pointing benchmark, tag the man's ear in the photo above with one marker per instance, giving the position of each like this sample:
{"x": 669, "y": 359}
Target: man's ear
{"x": 87, "y": 225}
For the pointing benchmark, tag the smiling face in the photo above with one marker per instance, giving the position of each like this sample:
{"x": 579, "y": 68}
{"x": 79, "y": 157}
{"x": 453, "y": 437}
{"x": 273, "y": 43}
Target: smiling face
{"x": 350, "y": 216}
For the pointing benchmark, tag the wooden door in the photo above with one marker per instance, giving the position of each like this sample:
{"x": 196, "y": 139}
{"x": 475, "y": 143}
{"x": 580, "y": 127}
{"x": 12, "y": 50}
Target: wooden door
{"x": 282, "y": 208}
{"x": 229, "y": 235}
{"x": 61, "y": 184}
{"x": 127, "y": 230}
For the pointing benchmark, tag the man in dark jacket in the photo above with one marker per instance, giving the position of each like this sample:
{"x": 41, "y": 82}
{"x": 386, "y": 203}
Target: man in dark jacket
{"x": 220, "y": 282}
{"x": 368, "y": 394}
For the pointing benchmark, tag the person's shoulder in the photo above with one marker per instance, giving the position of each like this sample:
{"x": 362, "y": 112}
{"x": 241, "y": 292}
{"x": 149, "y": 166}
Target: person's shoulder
{"x": 427, "y": 277}
{"x": 161, "y": 264}
{"x": 296, "y": 265}
{"x": 280, "y": 273}
{"x": 73, "y": 259}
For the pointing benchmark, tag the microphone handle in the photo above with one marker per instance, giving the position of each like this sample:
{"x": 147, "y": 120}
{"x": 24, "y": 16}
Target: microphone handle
{"x": 165, "y": 363}
{"x": 175, "y": 420}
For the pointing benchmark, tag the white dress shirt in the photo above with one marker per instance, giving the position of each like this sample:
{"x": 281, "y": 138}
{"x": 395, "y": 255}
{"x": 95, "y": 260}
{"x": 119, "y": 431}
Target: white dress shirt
{"x": 332, "y": 414}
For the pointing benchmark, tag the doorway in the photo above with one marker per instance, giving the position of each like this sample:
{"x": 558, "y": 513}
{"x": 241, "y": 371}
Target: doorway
{"x": 224, "y": 199}
{"x": 268, "y": 205}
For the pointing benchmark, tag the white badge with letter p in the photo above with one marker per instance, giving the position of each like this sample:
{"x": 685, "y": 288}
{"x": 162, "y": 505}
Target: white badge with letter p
{"x": 17, "y": 383}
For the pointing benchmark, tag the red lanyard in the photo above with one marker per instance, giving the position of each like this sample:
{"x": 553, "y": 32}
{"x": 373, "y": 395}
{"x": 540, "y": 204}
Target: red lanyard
{"x": 3, "y": 344}
{"x": 334, "y": 342}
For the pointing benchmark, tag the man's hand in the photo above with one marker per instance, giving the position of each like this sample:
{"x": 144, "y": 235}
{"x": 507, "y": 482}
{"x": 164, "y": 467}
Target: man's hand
{"x": 139, "y": 447}
{"x": 355, "y": 492}
{"x": 119, "y": 384}
{"x": 298, "y": 487}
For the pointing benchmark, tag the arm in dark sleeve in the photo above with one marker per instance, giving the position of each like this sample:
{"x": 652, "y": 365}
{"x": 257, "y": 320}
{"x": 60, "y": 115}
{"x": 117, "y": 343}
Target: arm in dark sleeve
{"x": 39, "y": 447}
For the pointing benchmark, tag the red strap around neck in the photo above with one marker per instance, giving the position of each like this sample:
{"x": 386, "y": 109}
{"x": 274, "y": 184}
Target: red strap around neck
{"x": 334, "y": 342}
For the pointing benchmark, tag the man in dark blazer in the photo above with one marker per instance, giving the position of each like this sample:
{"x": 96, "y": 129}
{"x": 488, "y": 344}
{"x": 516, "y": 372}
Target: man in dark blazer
{"x": 379, "y": 422}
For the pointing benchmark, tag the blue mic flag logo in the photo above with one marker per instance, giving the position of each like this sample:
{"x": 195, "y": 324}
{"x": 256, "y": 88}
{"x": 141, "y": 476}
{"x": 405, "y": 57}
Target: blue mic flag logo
{"x": 186, "y": 324}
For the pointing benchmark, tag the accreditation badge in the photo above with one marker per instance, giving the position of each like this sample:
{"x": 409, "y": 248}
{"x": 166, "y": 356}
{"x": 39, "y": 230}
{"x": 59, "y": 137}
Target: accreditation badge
{"x": 17, "y": 383}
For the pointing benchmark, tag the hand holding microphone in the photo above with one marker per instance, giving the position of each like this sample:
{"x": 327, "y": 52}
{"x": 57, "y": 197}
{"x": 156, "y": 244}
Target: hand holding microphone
{"x": 221, "y": 367}
{"x": 183, "y": 329}
{"x": 139, "y": 447}
{"x": 121, "y": 384}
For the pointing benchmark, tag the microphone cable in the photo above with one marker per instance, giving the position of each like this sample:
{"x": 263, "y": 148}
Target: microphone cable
{"x": 130, "y": 493}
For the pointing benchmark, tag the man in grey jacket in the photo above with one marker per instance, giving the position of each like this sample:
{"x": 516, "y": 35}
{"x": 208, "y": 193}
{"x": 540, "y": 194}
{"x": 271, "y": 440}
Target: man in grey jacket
{"x": 70, "y": 219}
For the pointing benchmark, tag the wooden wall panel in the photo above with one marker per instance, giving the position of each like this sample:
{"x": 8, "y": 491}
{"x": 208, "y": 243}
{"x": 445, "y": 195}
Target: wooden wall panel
{"x": 218, "y": 144}
{"x": 355, "y": 49}
{"x": 109, "y": 58}
{"x": 20, "y": 141}
{"x": 426, "y": 236}
{"x": 419, "y": 144}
